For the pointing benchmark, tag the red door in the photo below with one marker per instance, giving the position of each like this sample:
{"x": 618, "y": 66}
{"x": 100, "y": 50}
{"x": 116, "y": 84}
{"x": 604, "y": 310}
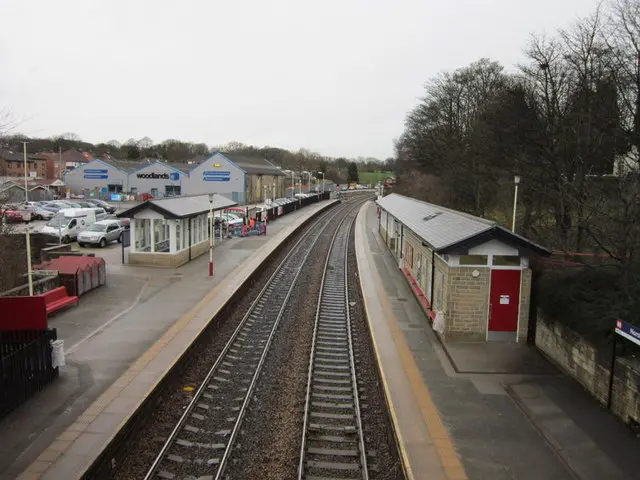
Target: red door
{"x": 504, "y": 300}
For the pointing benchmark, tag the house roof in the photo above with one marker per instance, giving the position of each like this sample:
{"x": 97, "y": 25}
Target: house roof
{"x": 180, "y": 207}
{"x": 447, "y": 231}
{"x": 73, "y": 155}
{"x": 254, "y": 165}
{"x": 11, "y": 156}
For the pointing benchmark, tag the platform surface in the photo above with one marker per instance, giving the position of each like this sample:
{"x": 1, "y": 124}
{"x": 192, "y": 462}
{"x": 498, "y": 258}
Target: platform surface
{"x": 508, "y": 415}
{"x": 119, "y": 341}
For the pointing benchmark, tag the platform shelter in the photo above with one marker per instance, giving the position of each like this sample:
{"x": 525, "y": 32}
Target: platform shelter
{"x": 170, "y": 232}
{"x": 471, "y": 274}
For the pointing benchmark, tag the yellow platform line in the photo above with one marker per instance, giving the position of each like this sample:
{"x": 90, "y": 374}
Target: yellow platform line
{"x": 442, "y": 441}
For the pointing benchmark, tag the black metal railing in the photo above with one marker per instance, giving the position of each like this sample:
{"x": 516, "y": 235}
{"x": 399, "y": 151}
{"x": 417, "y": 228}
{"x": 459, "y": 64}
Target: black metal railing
{"x": 25, "y": 365}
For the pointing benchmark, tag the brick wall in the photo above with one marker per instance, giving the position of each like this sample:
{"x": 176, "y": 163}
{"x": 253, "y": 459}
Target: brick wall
{"x": 467, "y": 303}
{"x": 590, "y": 367}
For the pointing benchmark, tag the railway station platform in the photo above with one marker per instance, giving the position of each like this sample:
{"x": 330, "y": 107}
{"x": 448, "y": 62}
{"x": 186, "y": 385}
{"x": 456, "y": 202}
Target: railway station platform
{"x": 120, "y": 342}
{"x": 483, "y": 421}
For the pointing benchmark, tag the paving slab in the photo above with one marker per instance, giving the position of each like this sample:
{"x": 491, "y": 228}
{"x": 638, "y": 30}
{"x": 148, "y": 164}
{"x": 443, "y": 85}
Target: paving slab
{"x": 107, "y": 334}
{"x": 497, "y": 357}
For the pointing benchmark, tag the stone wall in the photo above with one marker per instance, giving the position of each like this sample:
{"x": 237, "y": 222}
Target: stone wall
{"x": 168, "y": 259}
{"x": 590, "y": 367}
{"x": 468, "y": 302}
{"x": 525, "y": 305}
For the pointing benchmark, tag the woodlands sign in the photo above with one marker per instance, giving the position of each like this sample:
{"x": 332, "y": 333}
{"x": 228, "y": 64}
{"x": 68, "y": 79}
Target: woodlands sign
{"x": 159, "y": 176}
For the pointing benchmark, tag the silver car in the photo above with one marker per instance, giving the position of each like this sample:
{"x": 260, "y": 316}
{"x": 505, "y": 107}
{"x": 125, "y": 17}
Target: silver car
{"x": 100, "y": 233}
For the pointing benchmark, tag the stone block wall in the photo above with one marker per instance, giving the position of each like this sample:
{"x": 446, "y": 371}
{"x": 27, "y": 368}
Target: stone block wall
{"x": 467, "y": 303}
{"x": 589, "y": 366}
{"x": 167, "y": 259}
{"x": 525, "y": 305}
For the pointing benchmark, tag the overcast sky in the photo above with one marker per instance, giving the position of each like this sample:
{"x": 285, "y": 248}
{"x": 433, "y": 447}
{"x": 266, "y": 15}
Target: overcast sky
{"x": 333, "y": 76}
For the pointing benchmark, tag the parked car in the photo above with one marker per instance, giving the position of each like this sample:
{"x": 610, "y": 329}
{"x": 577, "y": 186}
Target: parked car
{"x": 102, "y": 204}
{"x": 230, "y": 219}
{"x": 37, "y": 212}
{"x": 10, "y": 216}
{"x": 101, "y": 233}
{"x": 26, "y": 214}
{"x": 68, "y": 222}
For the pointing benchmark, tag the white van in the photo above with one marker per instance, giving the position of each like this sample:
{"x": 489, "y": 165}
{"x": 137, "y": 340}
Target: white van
{"x": 68, "y": 222}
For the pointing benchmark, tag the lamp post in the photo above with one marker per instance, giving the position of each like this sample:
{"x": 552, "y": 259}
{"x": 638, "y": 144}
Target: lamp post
{"x": 309, "y": 173}
{"x": 300, "y": 185}
{"x": 27, "y": 233}
{"x": 212, "y": 235}
{"x": 273, "y": 191}
{"x": 516, "y": 182}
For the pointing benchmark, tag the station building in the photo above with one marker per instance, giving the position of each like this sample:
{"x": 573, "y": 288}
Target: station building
{"x": 243, "y": 179}
{"x": 472, "y": 271}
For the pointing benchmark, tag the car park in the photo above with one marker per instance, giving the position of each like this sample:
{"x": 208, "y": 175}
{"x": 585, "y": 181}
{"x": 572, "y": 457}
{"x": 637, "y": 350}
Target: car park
{"x": 101, "y": 233}
{"x": 102, "y": 204}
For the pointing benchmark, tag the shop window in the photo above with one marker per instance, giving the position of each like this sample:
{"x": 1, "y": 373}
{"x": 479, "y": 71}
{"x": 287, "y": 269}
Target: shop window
{"x": 115, "y": 188}
{"x": 172, "y": 190}
{"x": 506, "y": 260}
{"x": 473, "y": 260}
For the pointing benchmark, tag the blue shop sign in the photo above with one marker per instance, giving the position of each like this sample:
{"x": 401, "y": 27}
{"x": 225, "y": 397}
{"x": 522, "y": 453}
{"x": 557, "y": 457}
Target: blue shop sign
{"x": 628, "y": 331}
{"x": 96, "y": 177}
{"x": 96, "y": 170}
{"x": 216, "y": 174}
{"x": 216, "y": 179}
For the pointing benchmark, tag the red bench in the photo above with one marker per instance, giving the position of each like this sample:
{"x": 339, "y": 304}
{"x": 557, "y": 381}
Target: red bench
{"x": 58, "y": 298}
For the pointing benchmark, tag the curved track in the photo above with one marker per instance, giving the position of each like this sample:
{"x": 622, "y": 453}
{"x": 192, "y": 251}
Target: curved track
{"x": 201, "y": 442}
{"x": 333, "y": 441}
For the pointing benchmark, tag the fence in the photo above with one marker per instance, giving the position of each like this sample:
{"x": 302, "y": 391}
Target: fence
{"x": 25, "y": 365}
{"x": 46, "y": 281}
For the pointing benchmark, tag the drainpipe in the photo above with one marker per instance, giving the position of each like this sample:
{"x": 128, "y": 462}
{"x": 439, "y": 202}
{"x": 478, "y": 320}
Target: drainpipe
{"x": 386, "y": 232}
{"x": 190, "y": 238}
{"x": 401, "y": 248}
{"x": 433, "y": 276}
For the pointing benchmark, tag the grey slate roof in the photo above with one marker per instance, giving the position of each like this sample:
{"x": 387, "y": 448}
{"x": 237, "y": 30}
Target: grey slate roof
{"x": 180, "y": 207}
{"x": 126, "y": 165}
{"x": 254, "y": 165}
{"x": 441, "y": 228}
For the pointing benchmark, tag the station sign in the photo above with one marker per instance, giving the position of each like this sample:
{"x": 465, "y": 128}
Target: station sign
{"x": 628, "y": 331}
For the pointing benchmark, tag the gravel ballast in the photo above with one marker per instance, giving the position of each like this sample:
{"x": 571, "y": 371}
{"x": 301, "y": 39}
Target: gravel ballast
{"x": 268, "y": 444}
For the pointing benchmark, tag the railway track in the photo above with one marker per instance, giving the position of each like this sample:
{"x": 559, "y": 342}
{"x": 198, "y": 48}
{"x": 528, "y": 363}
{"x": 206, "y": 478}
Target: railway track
{"x": 201, "y": 442}
{"x": 333, "y": 441}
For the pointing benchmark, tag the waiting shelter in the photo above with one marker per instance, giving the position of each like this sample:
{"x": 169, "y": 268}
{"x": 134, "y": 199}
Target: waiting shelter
{"x": 471, "y": 274}
{"x": 170, "y": 232}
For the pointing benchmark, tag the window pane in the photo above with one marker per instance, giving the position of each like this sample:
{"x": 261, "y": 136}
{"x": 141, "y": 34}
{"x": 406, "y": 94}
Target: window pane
{"x": 506, "y": 260}
{"x": 473, "y": 260}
